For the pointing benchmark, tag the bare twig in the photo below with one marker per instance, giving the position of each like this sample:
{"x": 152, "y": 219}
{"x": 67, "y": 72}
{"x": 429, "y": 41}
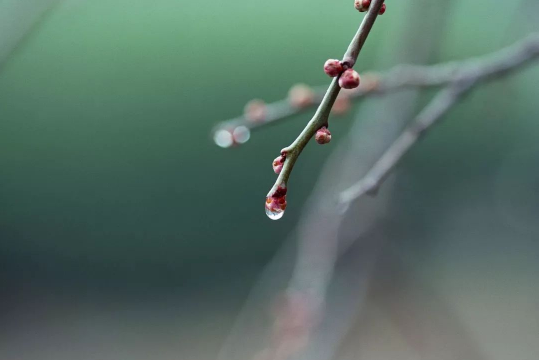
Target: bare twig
{"x": 321, "y": 116}
{"x": 459, "y": 80}
{"x": 375, "y": 83}
{"x": 381, "y": 169}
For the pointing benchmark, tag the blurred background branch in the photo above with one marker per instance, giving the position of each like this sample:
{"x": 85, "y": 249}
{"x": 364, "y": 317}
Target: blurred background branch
{"x": 374, "y": 84}
{"x": 459, "y": 78}
{"x": 18, "y": 19}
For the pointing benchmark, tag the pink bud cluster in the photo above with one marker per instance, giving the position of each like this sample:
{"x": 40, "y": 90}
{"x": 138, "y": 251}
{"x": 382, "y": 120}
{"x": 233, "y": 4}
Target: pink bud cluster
{"x": 349, "y": 78}
{"x": 363, "y": 5}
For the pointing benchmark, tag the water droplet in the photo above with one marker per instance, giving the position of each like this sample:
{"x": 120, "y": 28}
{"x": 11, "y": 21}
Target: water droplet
{"x": 275, "y": 207}
{"x": 223, "y": 138}
{"x": 274, "y": 215}
{"x": 241, "y": 134}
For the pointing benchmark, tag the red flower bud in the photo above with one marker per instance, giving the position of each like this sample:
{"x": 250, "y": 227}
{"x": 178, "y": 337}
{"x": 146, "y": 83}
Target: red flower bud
{"x": 362, "y": 5}
{"x": 278, "y": 164}
{"x": 333, "y": 68}
{"x": 349, "y": 79}
{"x": 323, "y": 136}
{"x": 382, "y": 9}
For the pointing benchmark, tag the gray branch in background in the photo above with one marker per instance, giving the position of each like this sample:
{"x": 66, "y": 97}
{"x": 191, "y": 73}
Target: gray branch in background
{"x": 460, "y": 78}
{"x": 18, "y": 19}
{"x": 325, "y": 236}
{"x": 401, "y": 77}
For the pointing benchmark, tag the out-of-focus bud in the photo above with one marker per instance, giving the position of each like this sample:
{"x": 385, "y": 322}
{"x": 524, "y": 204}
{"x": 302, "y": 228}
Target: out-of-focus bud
{"x": 300, "y": 96}
{"x": 382, "y": 9}
{"x": 369, "y": 82}
{"x": 255, "y": 110}
{"x": 342, "y": 104}
{"x": 241, "y": 135}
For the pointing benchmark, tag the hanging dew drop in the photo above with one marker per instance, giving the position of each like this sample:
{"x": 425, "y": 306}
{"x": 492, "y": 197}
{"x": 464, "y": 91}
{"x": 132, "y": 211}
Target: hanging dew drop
{"x": 274, "y": 214}
{"x": 275, "y": 207}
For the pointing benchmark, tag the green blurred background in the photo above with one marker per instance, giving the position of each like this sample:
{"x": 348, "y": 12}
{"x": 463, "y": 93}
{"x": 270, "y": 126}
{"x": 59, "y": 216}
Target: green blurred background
{"x": 115, "y": 204}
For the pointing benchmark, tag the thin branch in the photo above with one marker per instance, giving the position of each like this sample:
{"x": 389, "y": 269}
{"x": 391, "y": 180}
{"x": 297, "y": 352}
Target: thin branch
{"x": 381, "y": 169}
{"x": 321, "y": 116}
{"x": 460, "y": 79}
{"x": 395, "y": 79}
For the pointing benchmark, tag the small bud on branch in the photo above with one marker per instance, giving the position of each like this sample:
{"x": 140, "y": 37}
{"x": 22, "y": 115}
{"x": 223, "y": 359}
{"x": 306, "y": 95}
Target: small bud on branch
{"x": 362, "y": 5}
{"x": 323, "y": 136}
{"x": 349, "y": 79}
{"x": 333, "y": 68}
{"x": 278, "y": 164}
